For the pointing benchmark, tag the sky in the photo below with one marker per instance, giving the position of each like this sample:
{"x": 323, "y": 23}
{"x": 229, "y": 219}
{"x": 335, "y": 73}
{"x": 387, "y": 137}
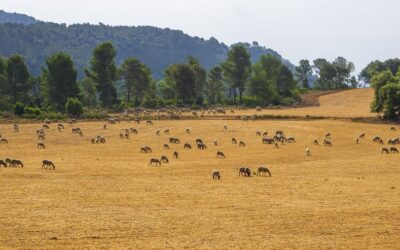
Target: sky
{"x": 359, "y": 30}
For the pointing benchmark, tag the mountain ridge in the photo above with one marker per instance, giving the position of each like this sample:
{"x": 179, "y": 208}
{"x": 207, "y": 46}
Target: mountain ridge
{"x": 156, "y": 47}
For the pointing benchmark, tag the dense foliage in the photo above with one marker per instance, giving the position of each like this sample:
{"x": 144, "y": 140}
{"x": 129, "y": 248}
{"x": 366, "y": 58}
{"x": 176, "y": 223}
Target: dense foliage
{"x": 155, "y": 47}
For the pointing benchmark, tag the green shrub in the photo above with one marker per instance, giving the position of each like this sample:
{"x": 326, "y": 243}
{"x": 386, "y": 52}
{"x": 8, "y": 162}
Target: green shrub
{"x": 19, "y": 108}
{"x": 73, "y": 107}
{"x": 149, "y": 102}
{"x": 33, "y": 111}
{"x": 288, "y": 101}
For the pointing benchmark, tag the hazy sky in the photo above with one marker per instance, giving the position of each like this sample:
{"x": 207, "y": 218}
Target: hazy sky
{"x": 360, "y": 30}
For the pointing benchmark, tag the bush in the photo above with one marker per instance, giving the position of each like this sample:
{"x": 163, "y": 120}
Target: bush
{"x": 33, "y": 111}
{"x": 251, "y": 101}
{"x": 19, "y": 108}
{"x": 149, "y": 102}
{"x": 95, "y": 114}
{"x": 288, "y": 101}
{"x": 74, "y": 107}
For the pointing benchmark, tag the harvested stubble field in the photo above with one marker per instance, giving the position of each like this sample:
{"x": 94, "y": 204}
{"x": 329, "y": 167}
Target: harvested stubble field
{"x": 106, "y": 196}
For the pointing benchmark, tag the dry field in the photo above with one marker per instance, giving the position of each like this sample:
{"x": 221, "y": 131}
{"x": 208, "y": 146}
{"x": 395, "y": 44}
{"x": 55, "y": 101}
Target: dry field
{"x": 105, "y": 195}
{"x": 344, "y": 104}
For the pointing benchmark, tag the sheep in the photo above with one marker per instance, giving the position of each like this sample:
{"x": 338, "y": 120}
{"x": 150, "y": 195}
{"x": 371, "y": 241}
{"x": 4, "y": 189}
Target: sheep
{"x": 166, "y": 146}
{"x": 225, "y": 127}
{"x": 154, "y": 161}
{"x": 308, "y": 152}
{"x": 215, "y": 142}
{"x": 216, "y": 175}
{"x": 234, "y": 141}
{"x": 263, "y": 171}
{"x": 41, "y": 145}
{"x": 175, "y": 155}
{"x": 244, "y": 171}
{"x": 164, "y": 159}
{"x": 188, "y": 131}
{"x": 394, "y": 150}
{"x": 242, "y": 144}
{"x": 187, "y": 146}
{"x": 220, "y": 155}
{"x": 385, "y": 150}
{"x": 46, "y": 164}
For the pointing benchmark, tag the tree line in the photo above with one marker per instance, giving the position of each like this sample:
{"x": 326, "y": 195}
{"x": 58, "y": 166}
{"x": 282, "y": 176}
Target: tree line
{"x": 236, "y": 81}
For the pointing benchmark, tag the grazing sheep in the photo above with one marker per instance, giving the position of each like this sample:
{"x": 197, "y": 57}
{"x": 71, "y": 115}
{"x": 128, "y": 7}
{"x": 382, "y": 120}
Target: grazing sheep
{"x": 316, "y": 142}
{"x": 376, "y": 139}
{"x": 276, "y": 145}
{"x": 201, "y": 146}
{"x": 258, "y": 133}
{"x": 268, "y": 141}
{"x": 220, "y": 155}
{"x": 16, "y": 128}
{"x": 121, "y": 136}
{"x": 148, "y": 122}
{"x": 46, "y": 164}
{"x": 134, "y": 131}
{"x": 41, "y": 145}
{"x": 327, "y": 143}
{"x": 381, "y": 142}
{"x": 242, "y": 144}
{"x": 357, "y": 140}
{"x": 175, "y": 155}
{"x": 126, "y": 136}
{"x": 164, "y": 159}
{"x": 174, "y": 140}
{"x": 188, "y": 131}
{"x": 60, "y": 126}
{"x": 166, "y": 146}
{"x": 308, "y": 152}
{"x": 265, "y": 134}
{"x": 225, "y": 127}
{"x": 145, "y": 150}
{"x": 187, "y": 146}
{"x": 154, "y": 161}
{"x": 45, "y": 126}
{"x": 104, "y": 126}
{"x": 234, "y": 141}
{"x": 3, "y": 140}
{"x": 393, "y": 129}
{"x": 328, "y": 135}
{"x": 17, "y": 163}
{"x": 394, "y": 150}
{"x": 158, "y": 132}
{"x": 385, "y": 150}
{"x": 166, "y": 132}
{"x": 3, "y": 163}
{"x": 245, "y": 172}
{"x": 263, "y": 171}
{"x": 361, "y": 136}
{"x": 215, "y": 143}
{"x": 291, "y": 139}
{"x": 216, "y": 175}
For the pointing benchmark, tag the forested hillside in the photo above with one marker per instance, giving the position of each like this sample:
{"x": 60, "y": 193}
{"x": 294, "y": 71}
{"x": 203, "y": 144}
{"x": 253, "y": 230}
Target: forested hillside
{"x": 155, "y": 47}
{"x": 6, "y": 17}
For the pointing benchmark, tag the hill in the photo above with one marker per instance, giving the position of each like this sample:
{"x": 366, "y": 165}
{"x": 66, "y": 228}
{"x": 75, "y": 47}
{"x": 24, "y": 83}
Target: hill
{"x": 155, "y": 47}
{"x": 6, "y": 17}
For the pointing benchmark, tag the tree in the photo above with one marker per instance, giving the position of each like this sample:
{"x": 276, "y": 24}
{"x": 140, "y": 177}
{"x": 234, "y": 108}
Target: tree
{"x": 326, "y": 73}
{"x": 182, "y": 79}
{"x": 303, "y": 72}
{"x": 73, "y": 107}
{"x": 237, "y": 69}
{"x": 390, "y": 94}
{"x": 379, "y": 80}
{"x": 263, "y": 83}
{"x": 59, "y": 78}
{"x": 343, "y": 69}
{"x": 16, "y": 79}
{"x": 214, "y": 85}
{"x": 200, "y": 76}
{"x": 285, "y": 82}
{"x": 136, "y": 77}
{"x": 103, "y": 72}
{"x": 88, "y": 90}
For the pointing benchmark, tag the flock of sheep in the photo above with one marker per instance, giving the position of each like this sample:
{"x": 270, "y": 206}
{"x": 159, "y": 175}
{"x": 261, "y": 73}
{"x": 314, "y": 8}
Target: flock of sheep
{"x": 278, "y": 138}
